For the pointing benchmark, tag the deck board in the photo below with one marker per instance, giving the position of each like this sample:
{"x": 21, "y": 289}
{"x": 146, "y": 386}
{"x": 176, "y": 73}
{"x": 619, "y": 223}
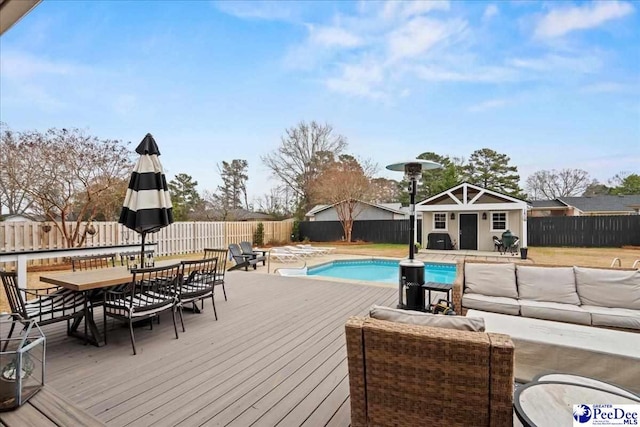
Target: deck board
{"x": 276, "y": 356}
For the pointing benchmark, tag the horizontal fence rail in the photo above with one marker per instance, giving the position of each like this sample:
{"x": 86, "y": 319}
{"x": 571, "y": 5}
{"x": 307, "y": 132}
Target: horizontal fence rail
{"x": 375, "y": 231}
{"x": 585, "y": 231}
{"x": 176, "y": 239}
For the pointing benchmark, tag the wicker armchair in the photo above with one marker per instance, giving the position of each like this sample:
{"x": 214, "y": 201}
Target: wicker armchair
{"x": 410, "y": 375}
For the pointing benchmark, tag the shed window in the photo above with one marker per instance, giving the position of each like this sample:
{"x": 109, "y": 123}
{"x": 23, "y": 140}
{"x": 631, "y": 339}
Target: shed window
{"x": 498, "y": 221}
{"x": 440, "y": 221}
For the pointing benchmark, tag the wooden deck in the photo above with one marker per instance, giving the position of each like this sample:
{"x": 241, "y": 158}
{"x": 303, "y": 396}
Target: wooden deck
{"x": 276, "y": 356}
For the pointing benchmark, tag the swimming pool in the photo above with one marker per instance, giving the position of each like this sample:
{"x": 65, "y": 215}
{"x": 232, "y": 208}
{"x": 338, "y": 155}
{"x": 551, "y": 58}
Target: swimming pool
{"x": 380, "y": 270}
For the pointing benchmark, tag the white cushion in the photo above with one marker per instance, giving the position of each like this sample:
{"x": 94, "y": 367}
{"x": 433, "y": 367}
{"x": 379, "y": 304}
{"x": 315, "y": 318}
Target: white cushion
{"x": 460, "y": 323}
{"x": 497, "y": 280}
{"x": 492, "y": 304}
{"x": 608, "y": 287}
{"x": 555, "y": 311}
{"x": 614, "y": 317}
{"x": 554, "y": 284}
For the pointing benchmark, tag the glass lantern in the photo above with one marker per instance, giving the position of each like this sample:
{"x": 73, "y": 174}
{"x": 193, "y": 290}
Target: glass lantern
{"x": 21, "y": 362}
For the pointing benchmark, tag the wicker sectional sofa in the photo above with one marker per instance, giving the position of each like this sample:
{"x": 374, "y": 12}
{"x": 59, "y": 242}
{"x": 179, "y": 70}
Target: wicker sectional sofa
{"x": 410, "y": 374}
{"x": 586, "y": 296}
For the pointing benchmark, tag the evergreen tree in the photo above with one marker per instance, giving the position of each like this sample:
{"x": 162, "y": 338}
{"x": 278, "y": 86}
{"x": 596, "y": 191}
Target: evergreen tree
{"x": 184, "y": 196}
{"x": 490, "y": 169}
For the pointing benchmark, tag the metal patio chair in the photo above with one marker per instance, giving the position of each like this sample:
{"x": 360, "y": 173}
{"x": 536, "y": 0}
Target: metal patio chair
{"x": 221, "y": 266}
{"x": 197, "y": 284}
{"x": 151, "y": 291}
{"x": 48, "y": 305}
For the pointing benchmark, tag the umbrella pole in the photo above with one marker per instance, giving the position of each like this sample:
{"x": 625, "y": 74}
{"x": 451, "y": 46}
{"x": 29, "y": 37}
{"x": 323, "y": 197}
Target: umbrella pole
{"x": 142, "y": 253}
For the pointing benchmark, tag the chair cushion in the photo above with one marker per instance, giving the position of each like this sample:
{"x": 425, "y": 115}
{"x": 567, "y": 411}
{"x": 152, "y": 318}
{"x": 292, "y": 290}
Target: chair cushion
{"x": 554, "y": 284}
{"x": 613, "y": 317}
{"x": 608, "y": 287}
{"x": 555, "y": 311}
{"x": 473, "y": 324}
{"x": 496, "y": 280}
{"x": 492, "y": 304}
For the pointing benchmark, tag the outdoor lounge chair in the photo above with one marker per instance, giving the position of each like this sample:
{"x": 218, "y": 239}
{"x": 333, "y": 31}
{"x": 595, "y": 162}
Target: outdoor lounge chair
{"x": 50, "y": 305}
{"x": 247, "y": 249}
{"x": 300, "y": 251}
{"x": 284, "y": 255}
{"x": 413, "y": 375}
{"x": 242, "y": 261}
{"x": 221, "y": 266}
{"x": 151, "y": 291}
{"x": 197, "y": 284}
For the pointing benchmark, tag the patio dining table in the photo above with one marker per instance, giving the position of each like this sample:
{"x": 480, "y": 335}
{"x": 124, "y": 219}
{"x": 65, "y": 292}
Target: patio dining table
{"x": 91, "y": 282}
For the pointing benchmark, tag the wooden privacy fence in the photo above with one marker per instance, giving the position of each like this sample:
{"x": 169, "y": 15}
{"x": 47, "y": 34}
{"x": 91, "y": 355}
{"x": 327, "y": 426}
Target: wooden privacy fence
{"x": 585, "y": 231}
{"x": 178, "y": 238}
{"x": 376, "y": 231}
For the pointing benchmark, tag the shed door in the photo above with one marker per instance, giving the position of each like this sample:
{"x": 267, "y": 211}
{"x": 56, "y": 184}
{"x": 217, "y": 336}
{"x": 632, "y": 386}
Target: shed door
{"x": 468, "y": 231}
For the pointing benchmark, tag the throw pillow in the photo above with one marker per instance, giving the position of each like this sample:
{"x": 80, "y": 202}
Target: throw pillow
{"x": 460, "y": 323}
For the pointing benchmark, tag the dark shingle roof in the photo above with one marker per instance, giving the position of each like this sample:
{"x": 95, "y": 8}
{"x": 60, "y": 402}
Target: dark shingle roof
{"x": 555, "y": 203}
{"x": 603, "y": 203}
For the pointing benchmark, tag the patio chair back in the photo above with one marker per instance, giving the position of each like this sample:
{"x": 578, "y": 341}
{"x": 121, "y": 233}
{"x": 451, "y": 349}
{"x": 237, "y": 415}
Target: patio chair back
{"x": 13, "y": 293}
{"x": 197, "y": 284}
{"x": 92, "y": 262}
{"x": 236, "y": 253}
{"x": 49, "y": 305}
{"x": 150, "y": 292}
{"x": 221, "y": 266}
{"x": 247, "y": 248}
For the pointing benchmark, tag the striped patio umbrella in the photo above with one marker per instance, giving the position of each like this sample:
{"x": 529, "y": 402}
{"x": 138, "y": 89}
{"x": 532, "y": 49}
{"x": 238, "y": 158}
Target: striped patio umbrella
{"x": 147, "y": 204}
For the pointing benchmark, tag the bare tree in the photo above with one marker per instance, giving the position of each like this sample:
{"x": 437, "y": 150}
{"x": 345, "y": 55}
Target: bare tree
{"x": 13, "y": 195}
{"x": 344, "y": 183}
{"x": 70, "y": 173}
{"x": 385, "y": 190}
{"x": 278, "y": 203}
{"x": 302, "y": 152}
{"x": 550, "y": 184}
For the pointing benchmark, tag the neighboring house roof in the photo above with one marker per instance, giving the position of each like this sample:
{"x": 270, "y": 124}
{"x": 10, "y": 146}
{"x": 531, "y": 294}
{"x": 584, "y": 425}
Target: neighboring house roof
{"x": 604, "y": 203}
{"x": 246, "y": 215}
{"x": 24, "y": 217}
{"x": 383, "y": 206}
{"x": 547, "y": 204}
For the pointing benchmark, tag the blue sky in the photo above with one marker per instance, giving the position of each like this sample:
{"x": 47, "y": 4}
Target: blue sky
{"x": 550, "y": 84}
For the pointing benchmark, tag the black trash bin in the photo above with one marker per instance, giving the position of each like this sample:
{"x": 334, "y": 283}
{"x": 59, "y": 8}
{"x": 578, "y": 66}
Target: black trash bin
{"x": 410, "y": 284}
{"x": 523, "y": 253}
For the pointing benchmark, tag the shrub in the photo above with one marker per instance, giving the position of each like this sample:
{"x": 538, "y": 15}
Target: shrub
{"x": 258, "y": 236}
{"x": 295, "y": 231}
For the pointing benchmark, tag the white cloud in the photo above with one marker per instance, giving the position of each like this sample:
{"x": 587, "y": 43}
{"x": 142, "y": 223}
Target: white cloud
{"x": 333, "y": 36}
{"x": 24, "y": 66}
{"x": 584, "y": 64}
{"x": 472, "y": 74}
{"x": 393, "y": 9}
{"x": 361, "y": 80}
{"x": 489, "y": 12}
{"x": 419, "y": 35}
{"x": 489, "y": 105}
{"x": 263, "y": 10}
{"x": 419, "y": 7}
{"x": 559, "y": 22}
{"x": 606, "y": 87}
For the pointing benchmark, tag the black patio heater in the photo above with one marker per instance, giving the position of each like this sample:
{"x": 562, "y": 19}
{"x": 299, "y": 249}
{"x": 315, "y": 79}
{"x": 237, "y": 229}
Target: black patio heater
{"x": 411, "y": 274}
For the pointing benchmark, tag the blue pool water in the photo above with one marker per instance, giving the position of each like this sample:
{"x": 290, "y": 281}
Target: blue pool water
{"x": 379, "y": 270}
